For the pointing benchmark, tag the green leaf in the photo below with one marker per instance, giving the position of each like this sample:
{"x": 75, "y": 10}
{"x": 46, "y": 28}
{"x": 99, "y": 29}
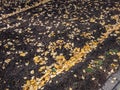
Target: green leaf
{"x": 113, "y": 50}
{"x": 53, "y": 69}
{"x": 100, "y": 62}
{"x": 89, "y": 70}
{"x": 107, "y": 53}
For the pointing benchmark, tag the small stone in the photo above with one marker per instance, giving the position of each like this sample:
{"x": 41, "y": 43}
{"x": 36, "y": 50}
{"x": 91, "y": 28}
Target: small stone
{"x": 50, "y": 81}
{"x": 10, "y": 43}
{"x": 118, "y": 54}
{"x": 0, "y": 43}
{"x": 56, "y": 81}
{"x": 32, "y": 72}
{"x": 33, "y": 77}
{"x": 99, "y": 84}
{"x": 3, "y": 67}
{"x": 102, "y": 57}
{"x": 114, "y": 34}
{"x": 70, "y": 88}
{"x": 115, "y": 60}
{"x": 19, "y": 31}
{"x": 101, "y": 67}
{"x": 46, "y": 58}
{"x": 93, "y": 79}
{"x": 39, "y": 50}
{"x": 27, "y": 63}
{"x": 112, "y": 71}
{"x": 84, "y": 71}
{"x": 109, "y": 73}
{"x": 114, "y": 78}
{"x": 16, "y": 63}
{"x": 25, "y": 77}
{"x": 7, "y": 89}
{"x": 112, "y": 81}
{"x": 4, "y": 81}
{"x": 83, "y": 77}
{"x": 39, "y": 44}
{"x": 75, "y": 75}
{"x": 104, "y": 70}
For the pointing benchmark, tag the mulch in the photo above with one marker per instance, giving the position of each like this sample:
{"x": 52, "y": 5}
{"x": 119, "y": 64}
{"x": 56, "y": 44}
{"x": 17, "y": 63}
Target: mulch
{"x": 58, "y": 28}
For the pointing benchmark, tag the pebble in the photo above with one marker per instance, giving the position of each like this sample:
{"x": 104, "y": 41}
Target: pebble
{"x": 70, "y": 88}
{"x": 25, "y": 77}
{"x": 75, "y": 75}
{"x": 114, "y": 78}
{"x": 112, "y": 81}
{"x": 115, "y": 60}
{"x": 7, "y": 89}
{"x": 32, "y": 72}
{"x": 26, "y": 64}
{"x": 10, "y": 43}
{"x": 56, "y": 81}
{"x": 83, "y": 77}
{"x": 93, "y": 79}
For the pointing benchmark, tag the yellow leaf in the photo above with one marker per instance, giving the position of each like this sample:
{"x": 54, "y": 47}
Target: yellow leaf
{"x": 23, "y": 54}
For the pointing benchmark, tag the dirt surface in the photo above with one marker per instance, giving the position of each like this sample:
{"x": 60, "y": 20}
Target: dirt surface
{"x": 59, "y": 45}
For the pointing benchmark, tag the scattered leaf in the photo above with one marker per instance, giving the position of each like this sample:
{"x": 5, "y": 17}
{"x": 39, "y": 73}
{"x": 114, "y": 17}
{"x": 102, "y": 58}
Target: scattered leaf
{"x": 89, "y": 70}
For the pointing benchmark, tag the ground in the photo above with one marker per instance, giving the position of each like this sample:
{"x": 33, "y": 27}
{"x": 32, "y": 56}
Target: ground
{"x": 60, "y": 45}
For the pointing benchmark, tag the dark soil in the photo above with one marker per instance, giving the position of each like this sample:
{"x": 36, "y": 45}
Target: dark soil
{"x": 70, "y": 21}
